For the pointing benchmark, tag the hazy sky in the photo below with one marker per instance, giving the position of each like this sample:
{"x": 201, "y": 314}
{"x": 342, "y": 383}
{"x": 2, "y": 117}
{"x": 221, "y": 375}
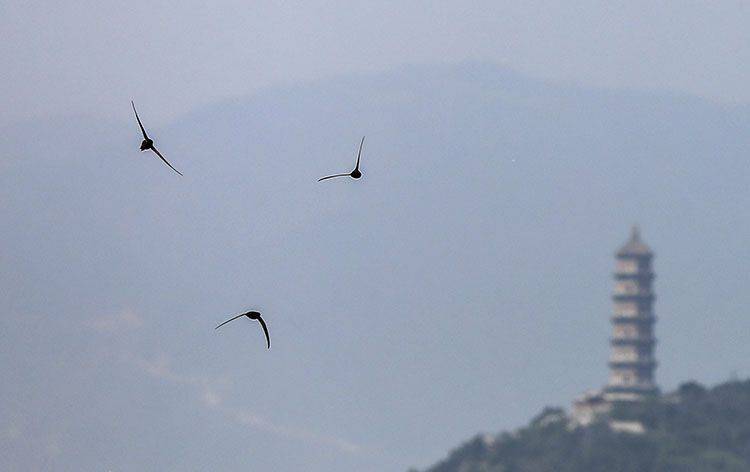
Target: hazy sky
{"x": 460, "y": 286}
{"x": 94, "y": 56}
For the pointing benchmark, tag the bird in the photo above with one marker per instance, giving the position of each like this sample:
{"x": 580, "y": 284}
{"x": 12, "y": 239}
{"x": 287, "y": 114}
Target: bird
{"x": 148, "y": 143}
{"x": 355, "y": 174}
{"x": 253, "y": 315}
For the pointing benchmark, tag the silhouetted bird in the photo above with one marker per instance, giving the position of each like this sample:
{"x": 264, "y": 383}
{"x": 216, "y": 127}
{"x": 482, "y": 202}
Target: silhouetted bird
{"x": 253, "y": 315}
{"x": 148, "y": 143}
{"x": 355, "y": 174}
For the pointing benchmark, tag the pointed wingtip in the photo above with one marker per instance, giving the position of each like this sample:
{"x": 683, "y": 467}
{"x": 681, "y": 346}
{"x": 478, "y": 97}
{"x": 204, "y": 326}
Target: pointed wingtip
{"x": 331, "y": 177}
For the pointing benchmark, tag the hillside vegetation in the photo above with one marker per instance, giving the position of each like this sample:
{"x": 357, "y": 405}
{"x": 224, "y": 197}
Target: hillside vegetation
{"x": 692, "y": 430}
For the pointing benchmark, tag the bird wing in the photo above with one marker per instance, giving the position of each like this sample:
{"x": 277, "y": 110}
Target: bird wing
{"x": 145, "y": 136}
{"x": 165, "y": 161}
{"x": 265, "y": 330}
{"x": 332, "y": 176}
{"x": 359, "y": 154}
{"x": 230, "y": 319}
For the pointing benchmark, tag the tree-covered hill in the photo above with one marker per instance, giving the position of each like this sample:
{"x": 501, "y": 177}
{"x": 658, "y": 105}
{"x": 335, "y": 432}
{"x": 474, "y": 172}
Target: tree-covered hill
{"x": 692, "y": 430}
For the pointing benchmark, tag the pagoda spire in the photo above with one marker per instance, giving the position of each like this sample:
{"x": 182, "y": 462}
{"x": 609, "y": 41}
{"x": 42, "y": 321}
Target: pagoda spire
{"x": 635, "y": 233}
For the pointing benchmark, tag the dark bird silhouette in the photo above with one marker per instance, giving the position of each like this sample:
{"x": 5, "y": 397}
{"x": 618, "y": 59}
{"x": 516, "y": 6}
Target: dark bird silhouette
{"x": 148, "y": 143}
{"x": 253, "y": 315}
{"x": 355, "y": 174}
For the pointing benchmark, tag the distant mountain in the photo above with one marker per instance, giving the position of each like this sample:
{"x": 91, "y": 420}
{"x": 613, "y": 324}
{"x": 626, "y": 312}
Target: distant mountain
{"x": 692, "y": 430}
{"x": 460, "y": 284}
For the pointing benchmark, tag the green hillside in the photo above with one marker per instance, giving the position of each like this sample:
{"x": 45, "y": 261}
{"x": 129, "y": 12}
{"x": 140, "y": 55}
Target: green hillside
{"x": 692, "y": 430}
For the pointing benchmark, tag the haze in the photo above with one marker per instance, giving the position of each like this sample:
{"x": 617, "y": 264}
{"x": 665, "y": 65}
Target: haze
{"x": 87, "y": 57}
{"x": 460, "y": 286}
